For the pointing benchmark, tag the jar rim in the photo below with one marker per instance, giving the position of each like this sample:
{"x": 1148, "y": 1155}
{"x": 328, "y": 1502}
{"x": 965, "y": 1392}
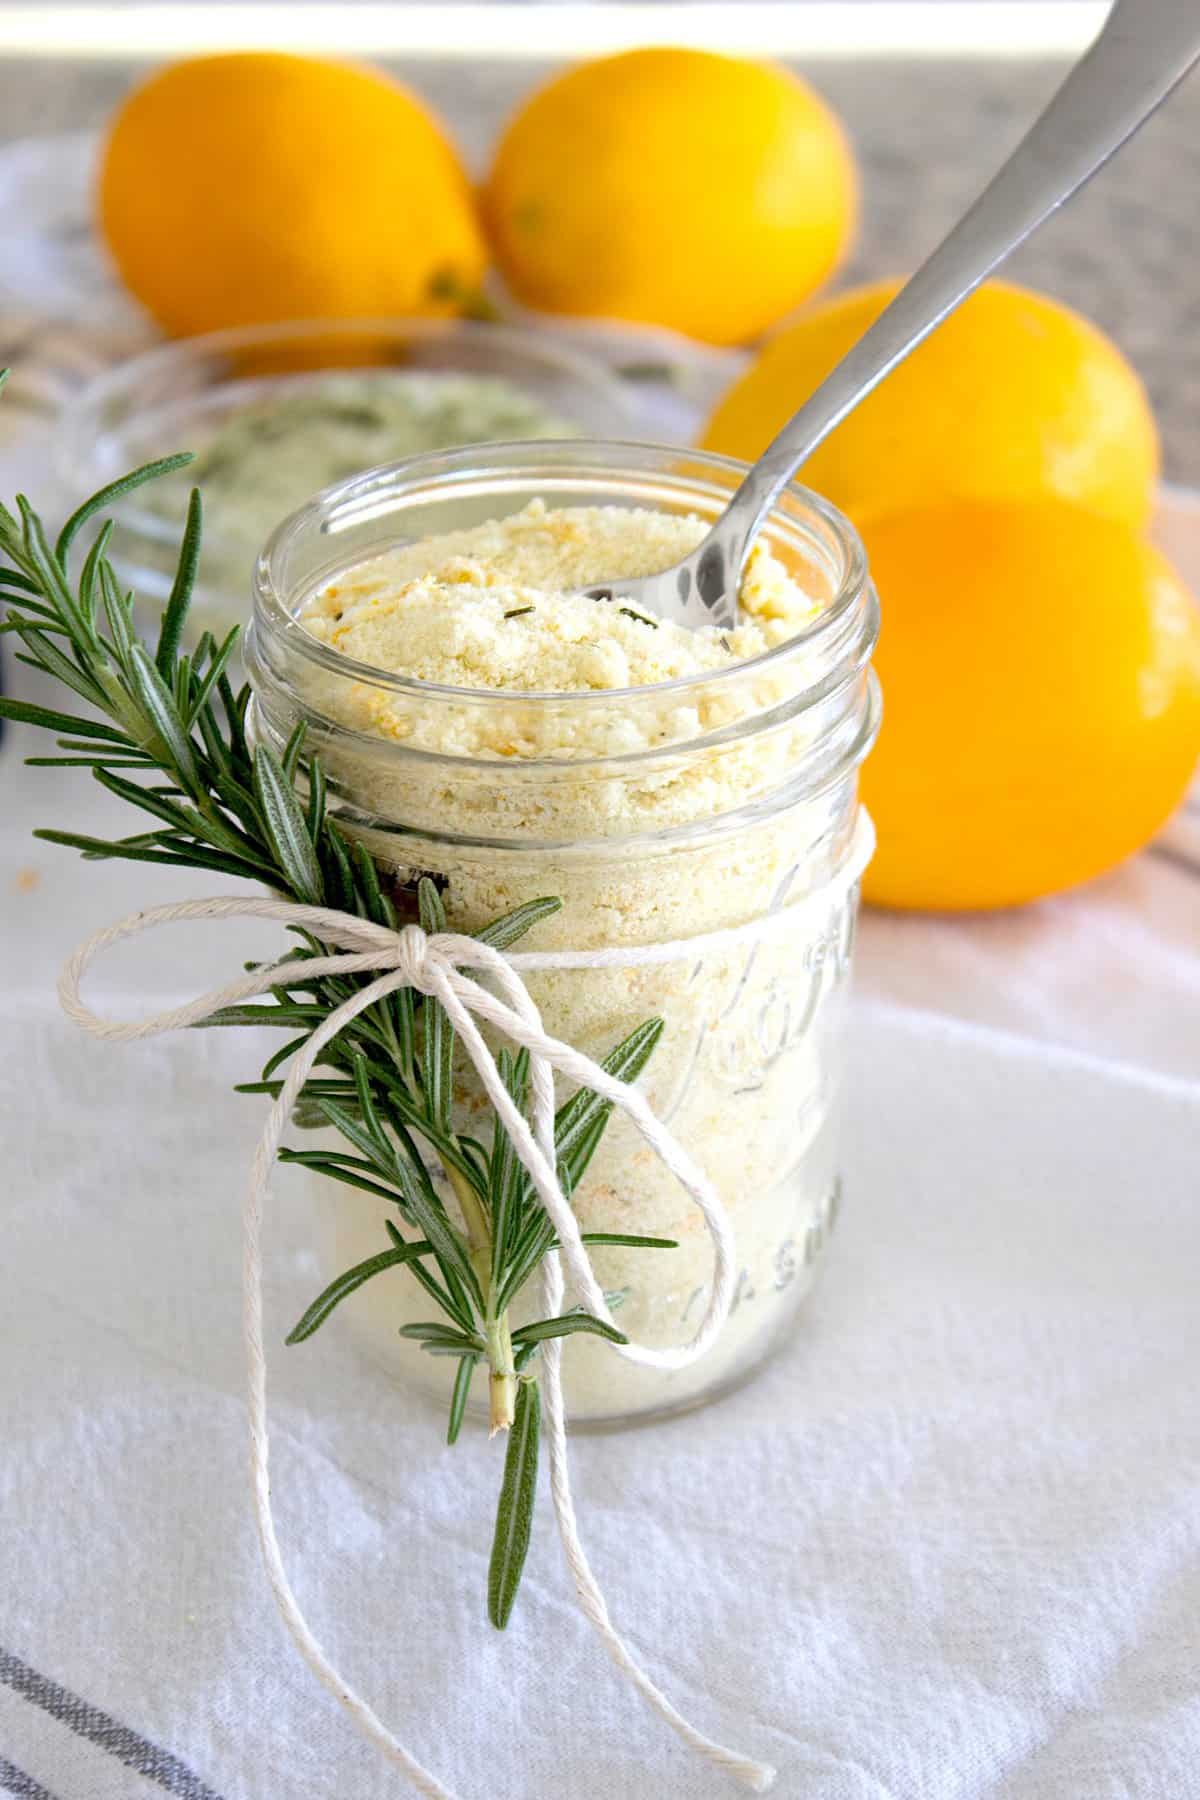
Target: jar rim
{"x": 354, "y": 496}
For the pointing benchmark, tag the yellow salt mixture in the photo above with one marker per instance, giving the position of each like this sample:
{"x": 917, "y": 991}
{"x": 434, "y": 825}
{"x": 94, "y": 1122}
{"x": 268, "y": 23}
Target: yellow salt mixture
{"x": 493, "y": 606}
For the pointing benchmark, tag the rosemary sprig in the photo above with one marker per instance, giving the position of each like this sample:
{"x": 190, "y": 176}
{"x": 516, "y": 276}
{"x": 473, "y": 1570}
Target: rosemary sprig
{"x": 164, "y": 730}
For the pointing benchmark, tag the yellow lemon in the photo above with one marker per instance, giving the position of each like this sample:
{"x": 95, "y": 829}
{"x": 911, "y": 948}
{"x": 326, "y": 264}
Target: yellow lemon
{"x": 674, "y": 187}
{"x": 1014, "y": 397}
{"x": 240, "y": 189}
{"x": 1041, "y": 701}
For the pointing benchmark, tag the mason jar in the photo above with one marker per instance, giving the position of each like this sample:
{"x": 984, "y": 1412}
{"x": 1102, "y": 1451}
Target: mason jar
{"x": 655, "y": 815}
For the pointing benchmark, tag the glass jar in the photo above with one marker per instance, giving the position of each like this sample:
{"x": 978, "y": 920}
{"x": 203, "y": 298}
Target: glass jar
{"x": 656, "y": 813}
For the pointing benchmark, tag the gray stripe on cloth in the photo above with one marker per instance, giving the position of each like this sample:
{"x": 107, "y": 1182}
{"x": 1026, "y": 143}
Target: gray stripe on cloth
{"x": 16, "y": 1781}
{"x": 87, "y": 1721}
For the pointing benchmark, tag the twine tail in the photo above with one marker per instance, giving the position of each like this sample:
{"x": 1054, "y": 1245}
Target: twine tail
{"x": 363, "y": 1715}
{"x": 759, "y": 1777}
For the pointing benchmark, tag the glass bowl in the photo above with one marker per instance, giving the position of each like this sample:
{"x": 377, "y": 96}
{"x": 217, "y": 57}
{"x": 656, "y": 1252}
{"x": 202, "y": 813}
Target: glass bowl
{"x": 276, "y": 413}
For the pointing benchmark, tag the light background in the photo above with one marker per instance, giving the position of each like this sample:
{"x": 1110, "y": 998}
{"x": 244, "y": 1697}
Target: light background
{"x": 993, "y": 28}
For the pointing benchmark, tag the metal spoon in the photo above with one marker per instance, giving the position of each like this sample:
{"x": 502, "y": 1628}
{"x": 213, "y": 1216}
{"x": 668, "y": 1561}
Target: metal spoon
{"x": 1145, "y": 48}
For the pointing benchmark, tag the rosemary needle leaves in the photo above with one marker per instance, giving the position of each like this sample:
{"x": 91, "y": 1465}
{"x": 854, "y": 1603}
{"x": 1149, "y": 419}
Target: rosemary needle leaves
{"x": 163, "y": 729}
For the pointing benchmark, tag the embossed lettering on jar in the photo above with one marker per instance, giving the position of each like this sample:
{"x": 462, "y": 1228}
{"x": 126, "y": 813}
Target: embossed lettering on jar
{"x": 654, "y": 813}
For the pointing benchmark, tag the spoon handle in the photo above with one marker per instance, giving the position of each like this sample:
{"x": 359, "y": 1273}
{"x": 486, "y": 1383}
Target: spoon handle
{"x": 1145, "y": 48}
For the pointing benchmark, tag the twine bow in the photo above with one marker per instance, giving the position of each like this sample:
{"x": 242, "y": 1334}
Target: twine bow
{"x": 435, "y": 966}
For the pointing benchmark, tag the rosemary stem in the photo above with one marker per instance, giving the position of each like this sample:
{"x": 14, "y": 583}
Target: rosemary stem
{"x": 479, "y": 1237}
{"x": 502, "y": 1387}
{"x": 502, "y": 1379}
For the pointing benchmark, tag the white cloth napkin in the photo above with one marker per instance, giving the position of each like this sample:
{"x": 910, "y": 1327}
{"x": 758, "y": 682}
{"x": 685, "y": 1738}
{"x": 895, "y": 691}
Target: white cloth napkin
{"x": 1113, "y": 970}
{"x": 947, "y": 1546}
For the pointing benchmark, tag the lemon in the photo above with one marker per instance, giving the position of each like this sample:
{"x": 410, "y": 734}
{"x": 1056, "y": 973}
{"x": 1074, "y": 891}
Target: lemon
{"x": 241, "y": 189}
{"x": 1013, "y": 398}
{"x": 705, "y": 193}
{"x": 1041, "y": 700}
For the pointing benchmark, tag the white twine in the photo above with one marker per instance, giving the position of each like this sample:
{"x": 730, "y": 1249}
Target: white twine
{"x": 433, "y": 965}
